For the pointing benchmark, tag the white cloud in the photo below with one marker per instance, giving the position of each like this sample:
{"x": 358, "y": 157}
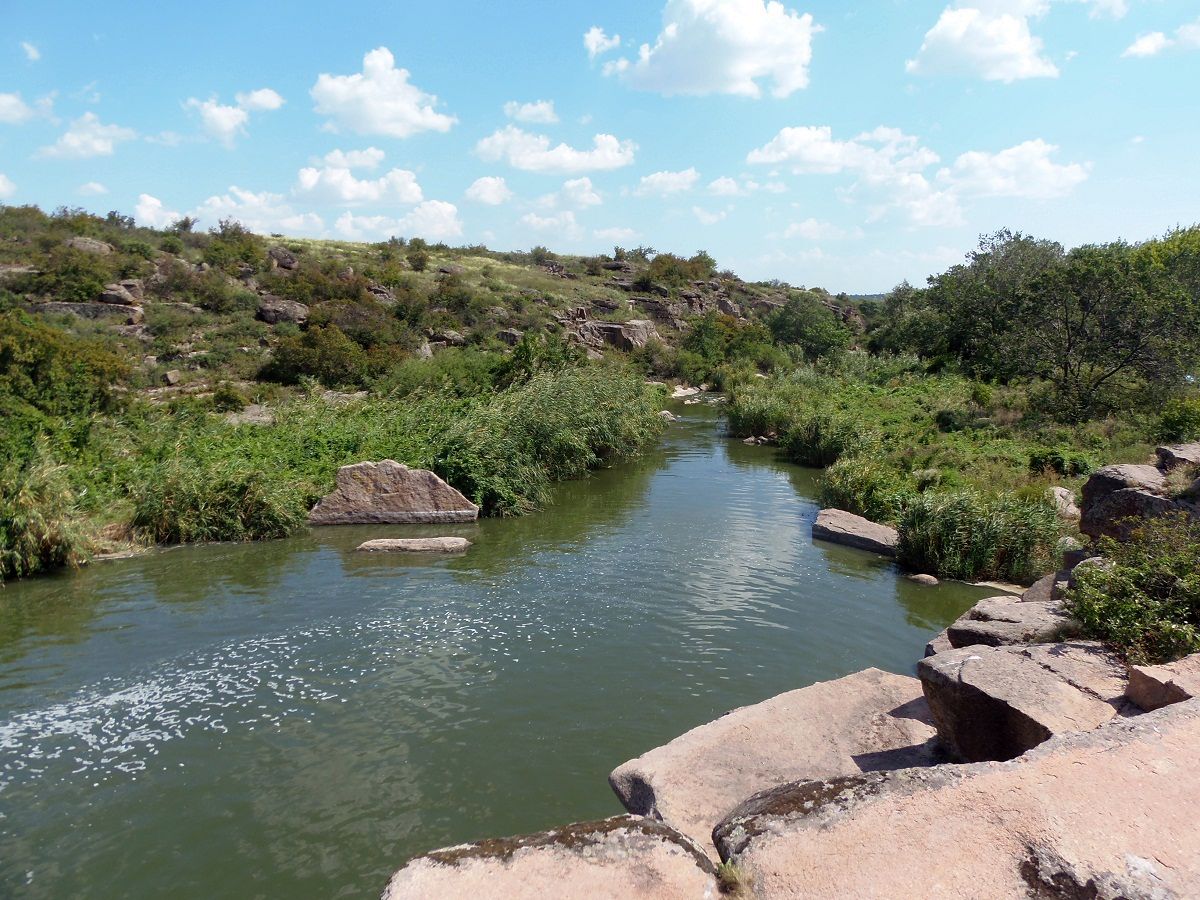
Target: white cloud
{"x": 92, "y": 189}
{"x": 815, "y": 230}
{"x": 355, "y": 159}
{"x": 597, "y": 42}
{"x": 14, "y": 110}
{"x": 332, "y": 184}
{"x": 663, "y": 183}
{"x": 88, "y": 137}
{"x": 489, "y": 190}
{"x": 222, "y": 122}
{"x": 580, "y": 193}
{"x": 7, "y": 188}
{"x": 1115, "y": 9}
{"x": 1025, "y": 170}
{"x": 724, "y": 187}
{"x": 704, "y": 217}
{"x": 813, "y": 149}
{"x": 32, "y": 53}
{"x": 262, "y": 212}
{"x": 150, "y": 212}
{"x": 723, "y": 47}
{"x": 533, "y": 153}
{"x": 615, "y": 234}
{"x": 261, "y": 100}
{"x": 378, "y": 100}
{"x": 562, "y": 224}
{"x": 540, "y": 111}
{"x": 992, "y": 40}
{"x": 434, "y": 219}
{"x": 1186, "y": 37}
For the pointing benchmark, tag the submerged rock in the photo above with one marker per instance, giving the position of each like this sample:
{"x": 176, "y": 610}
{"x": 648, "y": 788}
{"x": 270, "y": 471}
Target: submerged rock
{"x": 388, "y": 492}
{"x": 866, "y": 721}
{"x": 1099, "y": 815}
{"x": 612, "y": 859}
{"x": 415, "y": 545}
{"x": 840, "y": 527}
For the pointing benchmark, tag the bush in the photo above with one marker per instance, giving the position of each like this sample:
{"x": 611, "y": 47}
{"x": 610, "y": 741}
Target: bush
{"x": 324, "y": 353}
{"x": 229, "y": 398}
{"x": 1180, "y": 420}
{"x": 969, "y": 535}
{"x": 418, "y": 259}
{"x": 38, "y": 530}
{"x": 1147, "y": 604}
{"x": 820, "y": 437}
{"x": 865, "y": 486}
{"x": 1062, "y": 461}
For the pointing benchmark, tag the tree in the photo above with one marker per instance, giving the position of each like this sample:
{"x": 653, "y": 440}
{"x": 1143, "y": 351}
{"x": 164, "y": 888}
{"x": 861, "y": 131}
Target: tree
{"x": 805, "y": 322}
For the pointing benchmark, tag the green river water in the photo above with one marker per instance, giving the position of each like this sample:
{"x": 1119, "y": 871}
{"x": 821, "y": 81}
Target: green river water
{"x": 290, "y": 719}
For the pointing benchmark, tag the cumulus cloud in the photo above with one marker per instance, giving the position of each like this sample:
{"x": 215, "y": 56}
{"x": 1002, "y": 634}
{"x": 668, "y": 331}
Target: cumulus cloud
{"x": 378, "y": 100}
{"x": 724, "y": 187}
{"x": 337, "y": 185}
{"x": 1186, "y": 37}
{"x": 263, "y": 212}
{"x": 992, "y": 40}
{"x": 663, "y": 183}
{"x": 435, "y": 219}
{"x": 15, "y": 111}
{"x": 533, "y": 152}
{"x": 7, "y": 188}
{"x": 354, "y": 159}
{"x": 562, "y": 224}
{"x": 150, "y": 212}
{"x": 32, "y": 53}
{"x": 489, "y": 190}
{"x": 263, "y": 99}
{"x": 580, "y": 193}
{"x": 615, "y": 234}
{"x": 1025, "y": 170}
{"x": 816, "y": 230}
{"x": 723, "y": 47}
{"x": 597, "y": 42}
{"x": 540, "y": 111}
{"x": 225, "y": 123}
{"x": 92, "y": 189}
{"x": 704, "y": 217}
{"x": 86, "y": 137}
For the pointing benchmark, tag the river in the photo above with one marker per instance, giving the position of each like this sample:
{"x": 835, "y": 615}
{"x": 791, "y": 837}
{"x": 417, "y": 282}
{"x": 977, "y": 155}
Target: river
{"x": 292, "y": 719}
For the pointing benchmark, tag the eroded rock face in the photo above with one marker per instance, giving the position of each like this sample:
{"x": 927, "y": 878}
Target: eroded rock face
{"x": 283, "y": 258}
{"x": 840, "y": 527}
{"x": 612, "y": 859}
{"x": 388, "y": 492}
{"x": 415, "y": 545}
{"x": 273, "y": 310}
{"x": 1064, "y": 503}
{"x": 1178, "y": 455}
{"x": 1006, "y": 620}
{"x": 866, "y": 721}
{"x": 1095, "y": 815}
{"x": 119, "y": 294}
{"x": 994, "y": 703}
{"x": 1153, "y": 687}
{"x": 1115, "y": 494}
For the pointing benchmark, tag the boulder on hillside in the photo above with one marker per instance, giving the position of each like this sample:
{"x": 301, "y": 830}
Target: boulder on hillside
{"x": 994, "y": 703}
{"x": 510, "y": 336}
{"x": 448, "y": 336}
{"x": 283, "y": 258}
{"x": 415, "y": 545}
{"x": 89, "y": 245}
{"x": 622, "y": 335}
{"x": 128, "y": 315}
{"x": 622, "y": 858}
{"x": 273, "y": 310}
{"x": 866, "y": 721}
{"x": 1153, "y": 687}
{"x": 840, "y": 527}
{"x": 1178, "y": 455}
{"x": 1115, "y": 494}
{"x": 452, "y": 269}
{"x": 118, "y": 294}
{"x": 1064, "y": 503}
{"x": 388, "y": 492}
{"x": 1101, "y": 815}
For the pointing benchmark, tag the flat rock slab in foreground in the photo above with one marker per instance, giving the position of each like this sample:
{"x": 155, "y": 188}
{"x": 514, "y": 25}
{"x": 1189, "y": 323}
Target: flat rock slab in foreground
{"x": 994, "y": 703}
{"x": 866, "y": 721}
{"x": 415, "y": 545}
{"x": 840, "y": 527}
{"x": 613, "y": 859}
{"x": 1152, "y": 687}
{"x": 1000, "y": 621}
{"x": 389, "y": 493}
{"x": 1106, "y": 814}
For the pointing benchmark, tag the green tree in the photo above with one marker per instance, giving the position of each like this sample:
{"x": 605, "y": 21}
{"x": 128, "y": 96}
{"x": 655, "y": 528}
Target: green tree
{"x": 806, "y": 323}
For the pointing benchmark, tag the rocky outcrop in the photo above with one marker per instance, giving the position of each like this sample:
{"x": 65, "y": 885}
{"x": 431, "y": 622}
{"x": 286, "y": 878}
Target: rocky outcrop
{"x": 128, "y": 315}
{"x": 1064, "y": 503}
{"x": 994, "y": 703}
{"x": 622, "y": 858}
{"x": 89, "y": 245}
{"x": 1178, "y": 455}
{"x": 1153, "y": 687}
{"x": 273, "y": 310}
{"x": 283, "y": 258}
{"x": 510, "y": 336}
{"x": 1115, "y": 497}
{"x": 448, "y": 337}
{"x": 1006, "y": 620}
{"x": 840, "y": 527}
{"x": 388, "y": 492}
{"x": 415, "y": 545}
{"x": 866, "y": 721}
{"x": 121, "y": 293}
{"x": 1101, "y": 815}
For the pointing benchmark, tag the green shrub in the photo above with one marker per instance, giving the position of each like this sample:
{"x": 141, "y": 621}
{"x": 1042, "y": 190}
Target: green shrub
{"x": 1147, "y": 604}
{"x": 1062, "y": 461}
{"x": 1180, "y": 420}
{"x": 229, "y": 398}
{"x": 39, "y": 531}
{"x": 418, "y": 260}
{"x": 970, "y": 535}
{"x": 819, "y": 437}
{"x": 171, "y": 243}
{"x": 324, "y": 353}
{"x": 70, "y": 275}
{"x": 865, "y": 486}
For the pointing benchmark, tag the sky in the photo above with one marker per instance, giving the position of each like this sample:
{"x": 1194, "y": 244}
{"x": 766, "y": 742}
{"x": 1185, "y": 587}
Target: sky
{"x": 846, "y": 145}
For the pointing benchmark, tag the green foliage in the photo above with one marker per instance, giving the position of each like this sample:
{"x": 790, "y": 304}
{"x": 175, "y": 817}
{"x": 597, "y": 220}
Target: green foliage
{"x": 536, "y": 353}
{"x": 229, "y": 398}
{"x": 418, "y": 259}
{"x": 863, "y": 485}
{"x": 70, "y": 275}
{"x": 819, "y": 436}
{"x": 453, "y": 372}
{"x": 321, "y": 352}
{"x": 971, "y": 535}
{"x": 718, "y": 346}
{"x": 1061, "y": 461}
{"x": 1146, "y": 604}
{"x": 806, "y": 323}
{"x": 1180, "y": 420}
{"x": 231, "y": 244}
{"x": 39, "y": 531}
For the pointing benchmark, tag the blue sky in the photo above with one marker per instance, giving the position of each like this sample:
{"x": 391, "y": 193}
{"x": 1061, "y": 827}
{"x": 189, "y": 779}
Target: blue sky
{"x": 824, "y": 143}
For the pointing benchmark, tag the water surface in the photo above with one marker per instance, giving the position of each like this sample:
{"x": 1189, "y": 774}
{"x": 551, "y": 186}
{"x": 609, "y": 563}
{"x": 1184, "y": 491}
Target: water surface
{"x": 292, "y": 719}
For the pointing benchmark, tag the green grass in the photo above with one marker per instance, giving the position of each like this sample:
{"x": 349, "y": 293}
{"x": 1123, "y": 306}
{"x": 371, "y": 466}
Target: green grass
{"x": 39, "y": 528}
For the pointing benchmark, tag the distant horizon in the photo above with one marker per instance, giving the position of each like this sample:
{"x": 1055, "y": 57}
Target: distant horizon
{"x": 851, "y": 149}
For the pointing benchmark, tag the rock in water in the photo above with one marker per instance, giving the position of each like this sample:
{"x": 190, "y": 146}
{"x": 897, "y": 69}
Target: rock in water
{"x": 390, "y": 493}
{"x": 415, "y": 545}
{"x": 1105, "y": 814}
{"x": 840, "y": 527}
{"x": 622, "y": 858}
{"x": 865, "y": 721}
